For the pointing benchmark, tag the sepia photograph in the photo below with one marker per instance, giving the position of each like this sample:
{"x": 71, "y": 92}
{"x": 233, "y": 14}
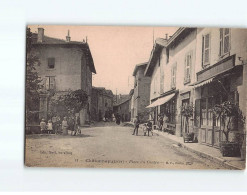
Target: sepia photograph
{"x": 135, "y": 97}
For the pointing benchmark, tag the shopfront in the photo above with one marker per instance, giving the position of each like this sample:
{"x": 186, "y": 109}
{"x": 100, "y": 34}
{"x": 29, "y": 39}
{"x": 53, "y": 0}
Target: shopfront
{"x": 223, "y": 86}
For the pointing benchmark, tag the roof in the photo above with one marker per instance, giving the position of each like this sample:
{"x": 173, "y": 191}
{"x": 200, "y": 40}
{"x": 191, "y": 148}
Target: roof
{"x": 161, "y": 43}
{"x": 122, "y": 102}
{"x": 158, "y": 46}
{"x": 138, "y": 66}
{"x": 103, "y": 90}
{"x": 178, "y": 35}
{"x": 131, "y": 92}
{"x": 55, "y": 41}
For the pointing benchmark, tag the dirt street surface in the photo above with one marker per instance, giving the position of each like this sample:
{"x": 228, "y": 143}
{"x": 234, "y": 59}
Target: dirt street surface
{"x": 109, "y": 145}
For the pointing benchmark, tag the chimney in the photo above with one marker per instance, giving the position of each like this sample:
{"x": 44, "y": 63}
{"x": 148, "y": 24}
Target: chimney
{"x": 40, "y": 35}
{"x": 68, "y": 37}
{"x": 166, "y": 37}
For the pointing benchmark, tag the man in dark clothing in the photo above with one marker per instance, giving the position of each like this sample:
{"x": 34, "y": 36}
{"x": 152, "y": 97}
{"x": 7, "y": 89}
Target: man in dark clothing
{"x": 149, "y": 127}
{"x": 136, "y": 122}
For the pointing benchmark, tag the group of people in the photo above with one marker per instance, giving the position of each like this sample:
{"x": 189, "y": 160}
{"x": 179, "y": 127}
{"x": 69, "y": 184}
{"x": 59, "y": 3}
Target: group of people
{"x": 162, "y": 119}
{"x": 147, "y": 126}
{"x": 56, "y": 126}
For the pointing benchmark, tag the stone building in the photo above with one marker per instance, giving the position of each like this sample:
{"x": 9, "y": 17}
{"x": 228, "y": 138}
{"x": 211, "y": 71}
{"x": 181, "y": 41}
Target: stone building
{"x": 122, "y": 109}
{"x": 102, "y": 103}
{"x": 141, "y": 95}
{"x": 65, "y": 65}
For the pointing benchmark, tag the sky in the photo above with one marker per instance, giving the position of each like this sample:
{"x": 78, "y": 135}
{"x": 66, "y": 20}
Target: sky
{"x": 115, "y": 50}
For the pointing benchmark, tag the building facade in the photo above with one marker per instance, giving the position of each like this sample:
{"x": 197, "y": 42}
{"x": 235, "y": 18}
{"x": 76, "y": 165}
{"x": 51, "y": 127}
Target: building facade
{"x": 122, "y": 109}
{"x": 141, "y": 93}
{"x": 65, "y": 65}
{"x": 220, "y": 75}
{"x": 102, "y": 103}
{"x": 201, "y": 67}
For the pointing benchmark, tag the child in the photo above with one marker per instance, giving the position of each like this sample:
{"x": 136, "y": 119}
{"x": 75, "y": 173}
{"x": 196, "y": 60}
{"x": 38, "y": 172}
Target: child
{"x": 65, "y": 126}
{"x": 43, "y": 126}
{"x": 49, "y": 127}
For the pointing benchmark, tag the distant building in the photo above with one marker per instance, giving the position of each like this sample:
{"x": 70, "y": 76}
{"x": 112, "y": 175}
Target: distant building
{"x": 131, "y": 104}
{"x": 141, "y": 96}
{"x": 102, "y": 103}
{"x": 64, "y": 65}
{"x": 122, "y": 109}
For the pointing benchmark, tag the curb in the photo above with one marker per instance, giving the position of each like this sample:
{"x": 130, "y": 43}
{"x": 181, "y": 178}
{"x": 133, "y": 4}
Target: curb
{"x": 205, "y": 155}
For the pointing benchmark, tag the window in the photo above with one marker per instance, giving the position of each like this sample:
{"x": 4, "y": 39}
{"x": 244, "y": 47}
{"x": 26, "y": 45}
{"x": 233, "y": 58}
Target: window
{"x": 167, "y": 56}
{"x": 187, "y": 70}
{"x": 173, "y": 76}
{"x": 50, "y": 82}
{"x": 205, "y": 50}
{"x": 224, "y": 41}
{"x": 51, "y": 63}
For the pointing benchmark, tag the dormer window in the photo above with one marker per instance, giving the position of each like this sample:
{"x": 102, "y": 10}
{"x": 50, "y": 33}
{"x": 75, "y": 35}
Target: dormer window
{"x": 51, "y": 63}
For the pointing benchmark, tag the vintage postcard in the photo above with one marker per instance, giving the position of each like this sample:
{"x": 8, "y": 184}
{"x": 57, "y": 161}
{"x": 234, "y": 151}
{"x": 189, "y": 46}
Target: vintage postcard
{"x": 135, "y": 97}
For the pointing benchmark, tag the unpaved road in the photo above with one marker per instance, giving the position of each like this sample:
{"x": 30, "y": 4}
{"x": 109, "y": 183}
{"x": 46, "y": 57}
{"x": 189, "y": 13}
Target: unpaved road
{"x": 111, "y": 146}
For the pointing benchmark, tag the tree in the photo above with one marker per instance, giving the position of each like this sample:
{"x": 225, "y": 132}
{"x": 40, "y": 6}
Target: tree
{"x": 33, "y": 82}
{"x": 229, "y": 114}
{"x": 68, "y": 103}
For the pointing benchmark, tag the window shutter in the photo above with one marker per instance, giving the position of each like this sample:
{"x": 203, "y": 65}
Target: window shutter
{"x": 47, "y": 83}
{"x": 206, "y": 49}
{"x": 185, "y": 68}
{"x": 197, "y": 113}
{"x": 226, "y": 40}
{"x": 52, "y": 82}
{"x": 221, "y": 41}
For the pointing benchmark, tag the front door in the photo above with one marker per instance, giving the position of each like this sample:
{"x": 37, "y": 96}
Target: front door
{"x": 184, "y": 122}
{"x": 207, "y": 121}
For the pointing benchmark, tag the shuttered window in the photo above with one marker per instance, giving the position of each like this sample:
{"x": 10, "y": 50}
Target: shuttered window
{"x": 206, "y": 50}
{"x": 50, "y": 82}
{"x": 173, "y": 76}
{"x": 224, "y": 41}
{"x": 187, "y": 68}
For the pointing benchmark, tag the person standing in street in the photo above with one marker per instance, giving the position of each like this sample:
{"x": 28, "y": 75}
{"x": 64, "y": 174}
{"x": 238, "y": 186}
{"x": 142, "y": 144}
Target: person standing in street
{"x": 160, "y": 122}
{"x": 43, "y": 126}
{"x": 65, "y": 126}
{"x": 136, "y": 123}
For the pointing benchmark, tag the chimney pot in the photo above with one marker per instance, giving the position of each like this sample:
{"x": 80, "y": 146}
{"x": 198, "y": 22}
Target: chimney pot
{"x": 166, "y": 36}
{"x": 40, "y": 35}
{"x": 68, "y": 37}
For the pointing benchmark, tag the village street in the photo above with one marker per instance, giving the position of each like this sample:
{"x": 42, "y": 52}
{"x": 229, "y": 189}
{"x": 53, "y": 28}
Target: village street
{"x": 109, "y": 145}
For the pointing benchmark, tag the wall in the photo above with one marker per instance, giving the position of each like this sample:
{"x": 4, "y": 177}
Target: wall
{"x": 177, "y": 56}
{"x": 238, "y": 46}
{"x": 68, "y": 65}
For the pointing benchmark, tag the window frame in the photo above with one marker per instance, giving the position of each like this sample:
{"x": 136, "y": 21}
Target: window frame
{"x": 48, "y": 63}
{"x": 222, "y": 42}
{"x": 187, "y": 78}
{"x": 205, "y": 64}
{"x": 48, "y": 78}
{"x": 173, "y": 75}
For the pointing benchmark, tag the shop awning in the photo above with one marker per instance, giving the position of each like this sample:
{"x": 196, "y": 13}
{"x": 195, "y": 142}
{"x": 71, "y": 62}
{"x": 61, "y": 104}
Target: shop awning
{"x": 155, "y": 103}
{"x": 161, "y": 101}
{"x": 201, "y": 83}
